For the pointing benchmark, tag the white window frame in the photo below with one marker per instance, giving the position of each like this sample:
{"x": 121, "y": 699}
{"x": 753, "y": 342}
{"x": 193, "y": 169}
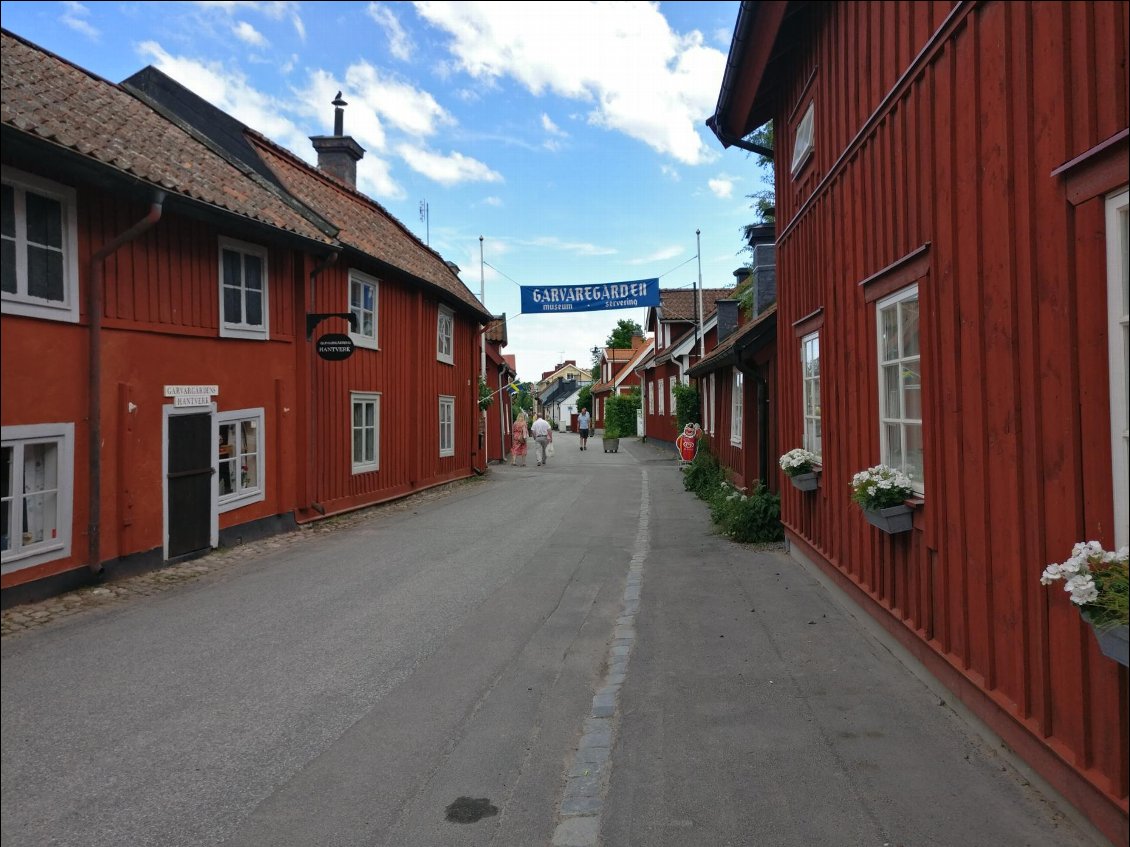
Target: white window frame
{"x": 885, "y": 419}
{"x": 803, "y": 143}
{"x": 1118, "y": 335}
{"x": 59, "y": 547}
{"x": 708, "y": 424}
{"x": 671, "y": 394}
{"x": 445, "y": 335}
{"x": 228, "y": 329}
{"x": 812, "y": 439}
{"x": 360, "y": 338}
{"x": 651, "y": 396}
{"x": 446, "y": 425}
{"x": 365, "y": 465}
{"x": 241, "y": 496}
{"x": 737, "y": 408}
{"x": 659, "y": 397}
{"x": 20, "y": 302}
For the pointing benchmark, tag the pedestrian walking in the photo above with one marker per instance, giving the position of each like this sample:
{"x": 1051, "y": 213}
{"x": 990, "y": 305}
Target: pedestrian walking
{"x": 543, "y": 435}
{"x": 519, "y": 433}
{"x": 583, "y": 421}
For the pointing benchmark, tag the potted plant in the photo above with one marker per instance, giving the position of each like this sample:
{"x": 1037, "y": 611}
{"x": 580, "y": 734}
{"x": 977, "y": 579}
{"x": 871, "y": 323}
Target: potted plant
{"x": 1096, "y": 579}
{"x": 611, "y": 438}
{"x": 799, "y": 466}
{"x": 881, "y": 493}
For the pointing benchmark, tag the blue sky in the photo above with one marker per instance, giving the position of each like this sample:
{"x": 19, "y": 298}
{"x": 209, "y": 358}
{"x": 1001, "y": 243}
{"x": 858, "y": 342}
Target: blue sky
{"x": 569, "y": 135}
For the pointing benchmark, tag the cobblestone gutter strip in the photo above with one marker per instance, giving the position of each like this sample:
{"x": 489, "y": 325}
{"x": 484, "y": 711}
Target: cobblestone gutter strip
{"x": 31, "y": 616}
{"x": 586, "y": 782}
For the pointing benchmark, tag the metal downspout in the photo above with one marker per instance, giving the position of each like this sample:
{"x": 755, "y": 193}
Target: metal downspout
{"x": 94, "y": 315}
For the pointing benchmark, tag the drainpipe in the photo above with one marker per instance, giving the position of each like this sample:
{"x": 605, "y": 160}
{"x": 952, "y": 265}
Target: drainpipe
{"x": 94, "y": 315}
{"x": 311, "y": 443}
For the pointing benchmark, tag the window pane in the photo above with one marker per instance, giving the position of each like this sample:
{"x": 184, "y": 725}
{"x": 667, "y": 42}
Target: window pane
{"x": 818, "y": 449}
{"x": 912, "y": 390}
{"x": 8, "y": 265}
{"x": 370, "y": 445}
{"x": 892, "y": 408}
{"x": 254, "y": 308}
{"x": 6, "y": 469}
{"x": 888, "y": 345}
{"x": 367, "y": 325}
{"x": 40, "y": 518}
{"x": 358, "y": 445}
{"x": 6, "y": 525}
{"x": 249, "y": 431}
{"x": 914, "y": 452}
{"x": 249, "y": 472}
{"x": 253, "y": 272}
{"x": 227, "y": 476}
{"x": 232, "y": 269}
{"x": 894, "y": 456}
{"x": 45, "y": 273}
{"x": 369, "y": 295}
{"x": 40, "y": 467}
{"x": 44, "y": 220}
{"x": 233, "y": 305}
{"x": 354, "y": 296}
{"x": 909, "y": 309}
{"x": 358, "y": 414}
{"x": 370, "y": 415}
{"x": 8, "y": 212}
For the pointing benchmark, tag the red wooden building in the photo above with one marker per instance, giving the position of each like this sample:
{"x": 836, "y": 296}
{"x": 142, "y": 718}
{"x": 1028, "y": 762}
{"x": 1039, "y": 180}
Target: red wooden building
{"x": 951, "y": 201}
{"x": 500, "y": 373}
{"x": 618, "y": 374}
{"x": 156, "y": 305}
{"x": 676, "y": 327}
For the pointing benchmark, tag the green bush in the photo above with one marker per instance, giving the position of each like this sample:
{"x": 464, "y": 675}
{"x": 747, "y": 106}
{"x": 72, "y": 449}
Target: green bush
{"x": 620, "y": 415}
{"x": 703, "y": 476}
{"x": 687, "y": 408}
{"x": 753, "y": 517}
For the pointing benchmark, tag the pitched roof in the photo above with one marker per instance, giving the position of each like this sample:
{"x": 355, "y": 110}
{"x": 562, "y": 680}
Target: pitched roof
{"x": 54, "y": 101}
{"x": 365, "y": 225}
{"x": 639, "y": 353}
{"x": 678, "y": 304}
{"x": 496, "y": 330}
{"x": 751, "y": 335}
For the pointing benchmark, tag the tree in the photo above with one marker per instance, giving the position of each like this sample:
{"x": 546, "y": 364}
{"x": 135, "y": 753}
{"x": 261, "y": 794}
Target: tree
{"x": 584, "y": 398}
{"x": 764, "y": 202}
{"x": 621, "y": 337}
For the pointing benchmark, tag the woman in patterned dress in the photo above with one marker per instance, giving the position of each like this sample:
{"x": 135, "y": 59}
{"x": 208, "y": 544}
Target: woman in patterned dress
{"x": 518, "y": 446}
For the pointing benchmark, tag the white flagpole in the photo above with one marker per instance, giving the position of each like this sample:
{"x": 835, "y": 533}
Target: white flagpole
{"x": 483, "y": 348}
{"x": 701, "y": 340}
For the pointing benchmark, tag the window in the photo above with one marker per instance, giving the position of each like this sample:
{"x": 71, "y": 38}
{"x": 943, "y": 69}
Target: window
{"x": 36, "y": 493}
{"x": 671, "y": 394}
{"x": 240, "y": 458}
{"x": 445, "y": 334}
{"x": 810, "y": 380}
{"x": 737, "y": 403}
{"x": 651, "y": 397}
{"x": 366, "y": 431}
{"x": 802, "y": 146}
{"x": 447, "y": 426}
{"x": 1118, "y": 323}
{"x": 708, "y": 424}
{"x": 659, "y": 393}
{"x": 900, "y": 384}
{"x": 39, "y": 248}
{"x": 363, "y": 306}
{"x": 243, "y": 290}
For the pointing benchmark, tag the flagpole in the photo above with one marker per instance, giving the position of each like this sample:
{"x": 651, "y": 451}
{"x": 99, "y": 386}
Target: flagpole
{"x": 483, "y": 349}
{"x": 701, "y": 340}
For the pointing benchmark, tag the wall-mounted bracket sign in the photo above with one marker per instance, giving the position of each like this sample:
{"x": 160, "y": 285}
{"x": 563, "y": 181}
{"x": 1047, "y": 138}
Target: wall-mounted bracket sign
{"x": 334, "y": 346}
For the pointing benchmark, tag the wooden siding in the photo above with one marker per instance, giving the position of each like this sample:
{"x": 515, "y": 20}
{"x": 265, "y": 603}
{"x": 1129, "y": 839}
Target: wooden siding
{"x": 938, "y": 128}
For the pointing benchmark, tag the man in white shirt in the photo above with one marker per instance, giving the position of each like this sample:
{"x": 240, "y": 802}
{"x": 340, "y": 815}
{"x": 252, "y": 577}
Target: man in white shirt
{"x": 542, "y": 435}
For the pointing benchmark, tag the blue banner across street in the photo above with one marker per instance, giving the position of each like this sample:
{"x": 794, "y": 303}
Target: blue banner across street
{"x": 589, "y": 298}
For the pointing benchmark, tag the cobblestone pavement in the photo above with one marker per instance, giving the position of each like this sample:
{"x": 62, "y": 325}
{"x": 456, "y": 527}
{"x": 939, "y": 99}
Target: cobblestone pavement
{"x": 110, "y": 593}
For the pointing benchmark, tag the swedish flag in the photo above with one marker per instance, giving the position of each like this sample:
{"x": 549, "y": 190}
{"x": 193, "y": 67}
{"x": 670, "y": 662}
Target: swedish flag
{"x": 513, "y": 389}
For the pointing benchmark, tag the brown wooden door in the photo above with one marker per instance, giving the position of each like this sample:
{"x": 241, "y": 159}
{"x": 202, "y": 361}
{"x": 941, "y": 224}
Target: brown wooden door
{"x": 190, "y": 483}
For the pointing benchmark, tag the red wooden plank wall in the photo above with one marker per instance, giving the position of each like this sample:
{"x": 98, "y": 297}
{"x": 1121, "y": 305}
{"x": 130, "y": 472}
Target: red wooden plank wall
{"x": 959, "y": 157}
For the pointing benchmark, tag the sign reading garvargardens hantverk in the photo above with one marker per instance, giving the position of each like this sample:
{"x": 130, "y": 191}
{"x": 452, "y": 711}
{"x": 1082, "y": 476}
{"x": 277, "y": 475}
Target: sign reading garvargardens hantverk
{"x": 590, "y": 298}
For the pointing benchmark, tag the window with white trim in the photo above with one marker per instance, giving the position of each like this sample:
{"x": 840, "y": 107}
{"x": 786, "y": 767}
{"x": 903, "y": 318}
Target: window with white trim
{"x": 363, "y": 306}
{"x": 445, "y": 335}
{"x": 1118, "y": 332}
{"x": 802, "y": 144}
{"x": 810, "y": 381}
{"x": 900, "y": 384}
{"x": 366, "y": 431}
{"x": 651, "y": 396}
{"x": 38, "y": 248}
{"x": 671, "y": 394}
{"x": 36, "y": 492}
{"x": 243, "y": 290}
{"x": 446, "y": 426}
{"x": 737, "y": 407}
{"x": 659, "y": 396}
{"x": 708, "y": 424}
{"x": 240, "y": 458}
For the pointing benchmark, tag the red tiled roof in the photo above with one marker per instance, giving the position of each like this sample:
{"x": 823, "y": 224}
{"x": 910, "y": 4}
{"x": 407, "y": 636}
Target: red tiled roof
{"x": 496, "y": 330}
{"x": 48, "y": 98}
{"x": 365, "y": 225}
{"x": 639, "y": 352}
{"x": 679, "y": 304}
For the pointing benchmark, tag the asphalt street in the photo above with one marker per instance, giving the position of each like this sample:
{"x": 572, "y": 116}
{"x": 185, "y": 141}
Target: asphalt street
{"x": 564, "y": 655}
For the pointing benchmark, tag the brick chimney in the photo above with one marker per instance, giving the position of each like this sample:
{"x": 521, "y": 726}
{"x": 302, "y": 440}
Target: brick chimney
{"x": 727, "y": 318}
{"x": 338, "y": 154}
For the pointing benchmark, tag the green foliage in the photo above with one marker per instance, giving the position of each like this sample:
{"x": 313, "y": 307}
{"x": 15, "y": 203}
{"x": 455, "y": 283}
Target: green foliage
{"x": 524, "y": 402}
{"x": 765, "y": 201}
{"x": 620, "y": 415}
{"x": 486, "y": 396}
{"x": 621, "y": 337}
{"x": 752, "y": 517}
{"x": 1112, "y": 606}
{"x": 703, "y": 475}
{"x": 584, "y": 398}
{"x": 687, "y": 409}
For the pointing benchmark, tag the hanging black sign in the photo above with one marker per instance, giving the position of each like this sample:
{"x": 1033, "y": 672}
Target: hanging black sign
{"x": 334, "y": 346}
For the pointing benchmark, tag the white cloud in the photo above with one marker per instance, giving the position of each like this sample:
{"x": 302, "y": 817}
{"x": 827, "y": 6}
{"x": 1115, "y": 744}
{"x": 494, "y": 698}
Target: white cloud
{"x": 275, "y": 11}
{"x": 447, "y": 170}
{"x": 722, "y": 187}
{"x": 75, "y": 15}
{"x": 374, "y": 178}
{"x": 246, "y": 33}
{"x": 664, "y": 254}
{"x": 549, "y": 126}
{"x": 493, "y": 201}
{"x": 636, "y": 75}
{"x": 671, "y": 172}
{"x": 399, "y": 42}
{"x": 579, "y": 248}
{"x": 400, "y": 104}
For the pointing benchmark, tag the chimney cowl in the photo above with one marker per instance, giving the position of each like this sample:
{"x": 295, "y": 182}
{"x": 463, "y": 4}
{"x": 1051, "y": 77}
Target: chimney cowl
{"x": 338, "y": 154}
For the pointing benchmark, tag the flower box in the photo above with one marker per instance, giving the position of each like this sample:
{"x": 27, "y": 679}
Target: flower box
{"x": 806, "y": 481}
{"x": 1114, "y": 642}
{"x": 891, "y": 520}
